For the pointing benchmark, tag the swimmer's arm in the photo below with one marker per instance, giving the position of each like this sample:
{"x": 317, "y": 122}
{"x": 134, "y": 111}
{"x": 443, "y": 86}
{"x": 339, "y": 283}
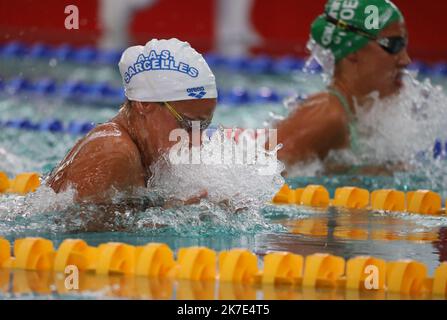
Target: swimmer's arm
{"x": 170, "y": 203}
{"x": 310, "y": 132}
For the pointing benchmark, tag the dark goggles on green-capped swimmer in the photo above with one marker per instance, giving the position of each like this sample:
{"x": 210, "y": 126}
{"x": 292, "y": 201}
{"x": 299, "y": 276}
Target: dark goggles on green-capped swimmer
{"x": 185, "y": 122}
{"x": 392, "y": 45}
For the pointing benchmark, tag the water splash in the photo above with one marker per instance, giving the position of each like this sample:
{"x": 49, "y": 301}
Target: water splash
{"x": 401, "y": 127}
{"x": 250, "y": 182}
{"x": 324, "y": 57}
{"x": 36, "y": 211}
{"x": 47, "y": 213}
{"x": 235, "y": 195}
{"x": 401, "y": 130}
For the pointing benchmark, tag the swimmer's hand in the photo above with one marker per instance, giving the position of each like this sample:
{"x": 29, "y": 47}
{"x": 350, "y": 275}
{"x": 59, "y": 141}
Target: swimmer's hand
{"x": 193, "y": 200}
{"x": 196, "y": 199}
{"x": 229, "y": 206}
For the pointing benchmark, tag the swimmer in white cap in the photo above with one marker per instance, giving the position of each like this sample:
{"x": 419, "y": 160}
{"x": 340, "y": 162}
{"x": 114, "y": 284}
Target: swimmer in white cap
{"x": 168, "y": 85}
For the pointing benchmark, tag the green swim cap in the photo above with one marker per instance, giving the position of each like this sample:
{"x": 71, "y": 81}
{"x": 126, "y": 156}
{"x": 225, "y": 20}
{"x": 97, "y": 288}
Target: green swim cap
{"x": 361, "y": 14}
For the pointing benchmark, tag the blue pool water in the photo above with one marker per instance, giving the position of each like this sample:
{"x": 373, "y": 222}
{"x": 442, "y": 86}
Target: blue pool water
{"x": 300, "y": 230}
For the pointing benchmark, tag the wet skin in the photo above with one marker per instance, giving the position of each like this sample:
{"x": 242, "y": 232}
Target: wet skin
{"x": 320, "y": 124}
{"x": 117, "y": 155}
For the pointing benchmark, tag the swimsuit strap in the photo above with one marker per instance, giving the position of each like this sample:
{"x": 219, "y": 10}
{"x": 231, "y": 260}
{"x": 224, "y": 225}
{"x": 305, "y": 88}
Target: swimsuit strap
{"x": 352, "y": 120}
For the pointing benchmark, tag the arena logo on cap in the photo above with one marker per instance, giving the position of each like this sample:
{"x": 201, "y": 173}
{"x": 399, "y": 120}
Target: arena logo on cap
{"x": 159, "y": 62}
{"x": 198, "y": 92}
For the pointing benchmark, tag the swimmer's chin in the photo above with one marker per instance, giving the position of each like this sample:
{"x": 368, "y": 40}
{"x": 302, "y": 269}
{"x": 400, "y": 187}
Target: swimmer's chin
{"x": 395, "y": 89}
{"x": 399, "y": 83}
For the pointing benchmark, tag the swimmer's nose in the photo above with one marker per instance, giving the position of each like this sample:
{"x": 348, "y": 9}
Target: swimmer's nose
{"x": 404, "y": 59}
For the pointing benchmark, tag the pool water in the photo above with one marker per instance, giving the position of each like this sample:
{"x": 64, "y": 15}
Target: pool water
{"x": 301, "y": 230}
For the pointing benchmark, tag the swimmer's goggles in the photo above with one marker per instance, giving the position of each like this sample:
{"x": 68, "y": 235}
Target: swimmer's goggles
{"x": 392, "y": 45}
{"x": 184, "y": 121}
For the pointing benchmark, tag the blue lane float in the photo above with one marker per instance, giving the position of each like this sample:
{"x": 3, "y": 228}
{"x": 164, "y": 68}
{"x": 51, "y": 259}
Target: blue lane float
{"x": 253, "y": 65}
{"x": 104, "y": 94}
{"x": 63, "y": 52}
{"x": 18, "y": 85}
{"x": 52, "y": 125}
{"x": 49, "y": 125}
{"x": 420, "y": 67}
{"x": 39, "y": 51}
{"x": 79, "y": 127}
{"x": 13, "y": 49}
{"x": 45, "y": 86}
{"x": 439, "y": 69}
{"x": 75, "y": 127}
{"x": 85, "y": 55}
{"x": 288, "y": 64}
{"x": 440, "y": 149}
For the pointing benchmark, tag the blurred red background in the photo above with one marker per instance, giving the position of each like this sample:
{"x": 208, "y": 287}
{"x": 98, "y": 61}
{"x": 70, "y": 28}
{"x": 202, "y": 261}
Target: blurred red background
{"x": 283, "y": 25}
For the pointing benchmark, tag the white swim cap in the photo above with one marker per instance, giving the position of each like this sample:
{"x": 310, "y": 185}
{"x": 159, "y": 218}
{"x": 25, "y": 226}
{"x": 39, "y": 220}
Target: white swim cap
{"x": 166, "y": 70}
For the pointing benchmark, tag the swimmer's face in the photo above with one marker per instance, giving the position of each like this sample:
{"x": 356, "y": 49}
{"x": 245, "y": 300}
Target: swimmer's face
{"x": 196, "y": 110}
{"x": 379, "y": 70}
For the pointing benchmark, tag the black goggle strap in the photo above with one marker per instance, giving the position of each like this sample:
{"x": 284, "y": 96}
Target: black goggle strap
{"x": 345, "y": 26}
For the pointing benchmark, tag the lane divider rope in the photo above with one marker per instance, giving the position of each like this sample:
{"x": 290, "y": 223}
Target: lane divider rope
{"x": 419, "y": 201}
{"x": 103, "y": 94}
{"x": 157, "y": 260}
{"x": 264, "y": 64}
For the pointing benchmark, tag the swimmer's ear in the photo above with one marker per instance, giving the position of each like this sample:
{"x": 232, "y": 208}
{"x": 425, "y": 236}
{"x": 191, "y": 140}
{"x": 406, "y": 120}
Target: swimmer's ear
{"x": 142, "y": 107}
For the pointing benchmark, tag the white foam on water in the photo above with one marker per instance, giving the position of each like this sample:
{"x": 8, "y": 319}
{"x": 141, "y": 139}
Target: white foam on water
{"x": 236, "y": 191}
{"x": 35, "y": 211}
{"x": 235, "y": 195}
{"x": 251, "y": 182}
{"x": 401, "y": 127}
{"x": 43, "y": 199}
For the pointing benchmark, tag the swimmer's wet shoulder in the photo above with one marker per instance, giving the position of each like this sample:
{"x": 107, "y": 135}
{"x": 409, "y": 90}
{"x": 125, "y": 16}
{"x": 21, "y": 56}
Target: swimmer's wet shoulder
{"x": 106, "y": 158}
{"x": 317, "y": 126}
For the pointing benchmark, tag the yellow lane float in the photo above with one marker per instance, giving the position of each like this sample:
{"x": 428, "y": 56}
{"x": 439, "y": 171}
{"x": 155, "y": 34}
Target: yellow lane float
{"x": 351, "y": 198}
{"x": 388, "y": 200}
{"x": 237, "y": 270}
{"x": 365, "y": 273}
{"x": 440, "y": 280}
{"x": 33, "y": 254}
{"x": 423, "y": 202}
{"x": 322, "y": 270}
{"x": 5, "y": 252}
{"x": 315, "y": 196}
{"x": 22, "y": 184}
{"x": 238, "y": 265}
{"x": 115, "y": 257}
{"x": 420, "y": 201}
{"x": 406, "y": 276}
{"x": 155, "y": 260}
{"x": 196, "y": 263}
{"x": 288, "y": 196}
{"x": 75, "y": 252}
{"x": 282, "y": 267}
